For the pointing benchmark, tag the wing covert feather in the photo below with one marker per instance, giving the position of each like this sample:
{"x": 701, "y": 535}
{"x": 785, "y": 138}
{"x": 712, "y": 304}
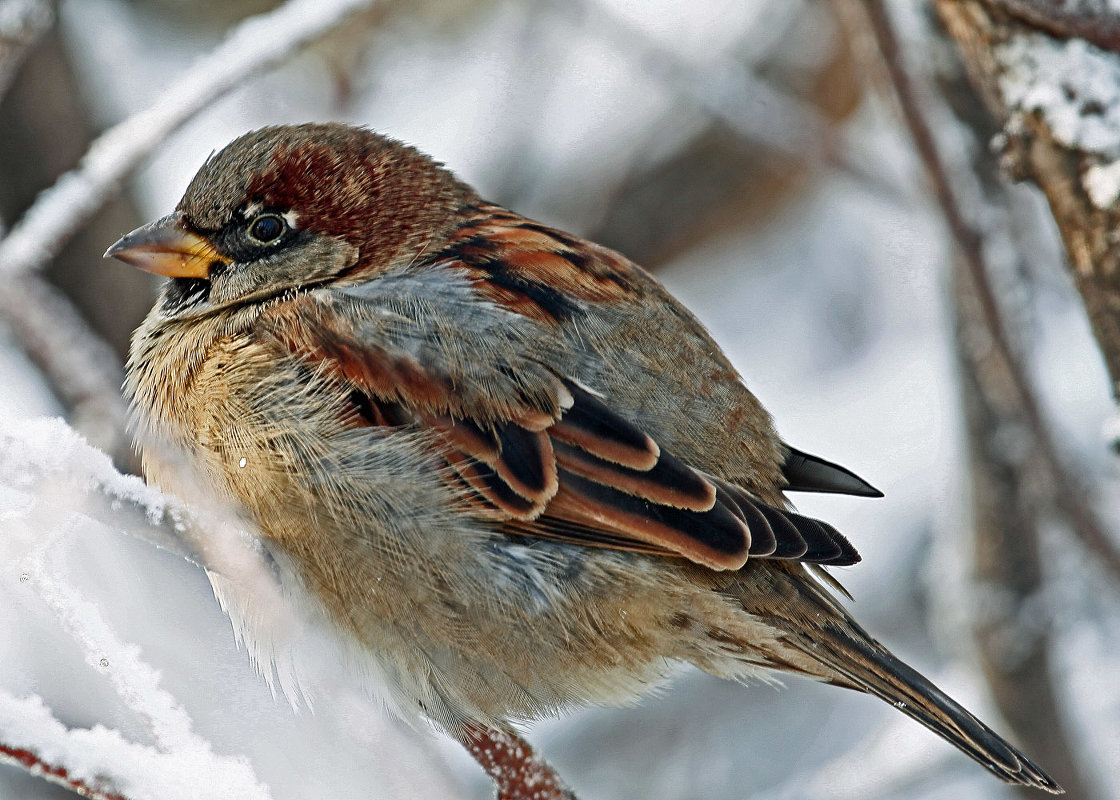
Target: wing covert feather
{"x": 537, "y": 453}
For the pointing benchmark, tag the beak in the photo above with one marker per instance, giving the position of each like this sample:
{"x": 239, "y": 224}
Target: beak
{"x": 165, "y": 247}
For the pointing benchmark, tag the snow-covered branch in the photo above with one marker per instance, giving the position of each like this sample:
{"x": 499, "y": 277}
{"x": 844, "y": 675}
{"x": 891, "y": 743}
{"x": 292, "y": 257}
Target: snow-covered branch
{"x": 43, "y": 453}
{"x": 255, "y": 45}
{"x": 51, "y": 484}
{"x": 100, "y": 763}
{"x": 48, "y": 474}
{"x": 1057, "y": 102}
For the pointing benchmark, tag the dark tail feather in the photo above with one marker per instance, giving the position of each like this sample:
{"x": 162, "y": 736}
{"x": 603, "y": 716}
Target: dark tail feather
{"x": 914, "y": 695}
{"x": 849, "y": 657}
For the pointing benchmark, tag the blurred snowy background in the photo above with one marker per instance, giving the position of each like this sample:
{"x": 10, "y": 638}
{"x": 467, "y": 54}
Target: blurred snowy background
{"x": 747, "y": 152}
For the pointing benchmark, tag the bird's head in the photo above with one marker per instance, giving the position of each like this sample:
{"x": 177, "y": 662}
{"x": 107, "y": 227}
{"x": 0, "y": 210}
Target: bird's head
{"x": 290, "y": 207}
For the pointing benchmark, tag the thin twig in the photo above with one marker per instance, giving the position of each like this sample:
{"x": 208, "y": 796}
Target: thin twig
{"x": 727, "y": 91}
{"x": 78, "y": 364}
{"x": 518, "y": 772}
{"x": 31, "y": 761}
{"x": 1073, "y": 501}
{"x": 256, "y": 44}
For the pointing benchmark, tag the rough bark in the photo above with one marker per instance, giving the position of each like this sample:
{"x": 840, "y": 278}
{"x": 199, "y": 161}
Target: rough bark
{"x": 1017, "y": 469}
{"x": 1033, "y": 151}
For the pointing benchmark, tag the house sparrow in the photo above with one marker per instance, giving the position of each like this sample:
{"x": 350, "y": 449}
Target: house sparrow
{"x": 501, "y": 460}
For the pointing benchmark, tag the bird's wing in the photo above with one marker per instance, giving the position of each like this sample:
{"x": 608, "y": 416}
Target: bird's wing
{"x": 530, "y": 449}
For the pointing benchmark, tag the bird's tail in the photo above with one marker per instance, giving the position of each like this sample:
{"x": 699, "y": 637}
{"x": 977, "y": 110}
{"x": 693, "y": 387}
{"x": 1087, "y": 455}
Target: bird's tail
{"x": 829, "y": 645}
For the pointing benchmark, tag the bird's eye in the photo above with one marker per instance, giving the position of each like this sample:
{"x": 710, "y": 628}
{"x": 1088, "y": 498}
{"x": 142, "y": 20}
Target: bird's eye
{"x": 267, "y": 228}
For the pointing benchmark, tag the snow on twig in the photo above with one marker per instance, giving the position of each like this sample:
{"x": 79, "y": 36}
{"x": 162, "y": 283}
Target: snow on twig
{"x": 178, "y": 751}
{"x": 100, "y": 763}
{"x": 1076, "y": 88}
{"x": 256, "y": 44}
{"x": 50, "y": 481}
{"x": 39, "y": 453}
{"x": 51, "y": 473}
{"x": 136, "y": 683}
{"x": 48, "y": 475}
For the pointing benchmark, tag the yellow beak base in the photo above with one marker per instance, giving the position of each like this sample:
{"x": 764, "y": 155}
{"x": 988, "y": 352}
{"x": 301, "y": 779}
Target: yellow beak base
{"x": 165, "y": 247}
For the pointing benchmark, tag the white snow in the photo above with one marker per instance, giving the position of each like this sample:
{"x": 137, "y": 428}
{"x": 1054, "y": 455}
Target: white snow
{"x": 115, "y": 631}
{"x": 1102, "y": 182}
{"x": 102, "y": 758}
{"x": 1075, "y": 86}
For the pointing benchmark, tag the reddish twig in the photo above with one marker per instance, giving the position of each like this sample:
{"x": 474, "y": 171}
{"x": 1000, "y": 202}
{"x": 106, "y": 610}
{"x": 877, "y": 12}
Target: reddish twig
{"x": 517, "y": 771}
{"x": 31, "y": 762}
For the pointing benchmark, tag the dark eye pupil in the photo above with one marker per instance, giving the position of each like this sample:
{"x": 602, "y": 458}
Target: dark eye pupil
{"x": 266, "y": 228}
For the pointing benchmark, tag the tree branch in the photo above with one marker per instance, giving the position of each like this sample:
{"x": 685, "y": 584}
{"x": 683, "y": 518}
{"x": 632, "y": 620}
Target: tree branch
{"x": 1070, "y": 498}
{"x": 80, "y": 367}
{"x": 29, "y": 760}
{"x": 100, "y": 763}
{"x": 1059, "y": 106}
{"x": 1091, "y": 20}
{"x": 255, "y": 45}
{"x": 998, "y": 396}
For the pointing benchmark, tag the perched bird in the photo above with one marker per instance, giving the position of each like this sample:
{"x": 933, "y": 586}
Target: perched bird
{"x": 500, "y": 460}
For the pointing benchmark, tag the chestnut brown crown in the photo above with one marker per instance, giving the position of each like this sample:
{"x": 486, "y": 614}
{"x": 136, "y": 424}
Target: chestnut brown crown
{"x": 288, "y": 207}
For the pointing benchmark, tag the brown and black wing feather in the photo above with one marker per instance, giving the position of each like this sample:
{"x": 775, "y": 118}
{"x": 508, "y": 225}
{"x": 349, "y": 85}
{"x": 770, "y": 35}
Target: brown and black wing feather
{"x": 594, "y": 478}
{"x": 570, "y": 469}
{"x": 567, "y": 467}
